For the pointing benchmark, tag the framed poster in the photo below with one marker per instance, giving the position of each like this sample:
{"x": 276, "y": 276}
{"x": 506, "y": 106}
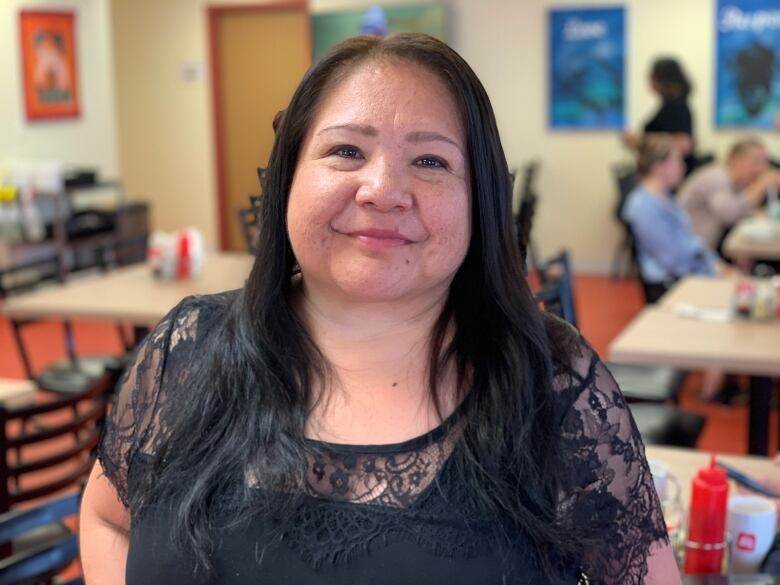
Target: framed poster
{"x": 587, "y": 49}
{"x": 747, "y": 91}
{"x": 330, "y": 28}
{"x": 49, "y": 74}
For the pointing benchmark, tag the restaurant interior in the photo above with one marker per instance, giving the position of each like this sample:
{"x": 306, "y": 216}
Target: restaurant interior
{"x": 134, "y": 138}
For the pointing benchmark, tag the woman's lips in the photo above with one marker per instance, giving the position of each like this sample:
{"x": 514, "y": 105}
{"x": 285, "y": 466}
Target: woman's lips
{"x": 379, "y": 239}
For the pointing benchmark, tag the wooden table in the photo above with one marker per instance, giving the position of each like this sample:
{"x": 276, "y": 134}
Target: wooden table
{"x": 129, "y": 294}
{"x": 685, "y": 463}
{"x": 748, "y": 241}
{"x": 661, "y": 336}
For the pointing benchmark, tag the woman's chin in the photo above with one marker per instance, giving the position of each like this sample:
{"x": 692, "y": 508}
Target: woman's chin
{"x": 369, "y": 291}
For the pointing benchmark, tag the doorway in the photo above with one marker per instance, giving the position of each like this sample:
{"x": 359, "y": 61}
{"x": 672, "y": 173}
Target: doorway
{"x": 258, "y": 56}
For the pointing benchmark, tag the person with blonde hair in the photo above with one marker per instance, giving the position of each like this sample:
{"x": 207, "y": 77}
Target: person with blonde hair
{"x": 666, "y": 246}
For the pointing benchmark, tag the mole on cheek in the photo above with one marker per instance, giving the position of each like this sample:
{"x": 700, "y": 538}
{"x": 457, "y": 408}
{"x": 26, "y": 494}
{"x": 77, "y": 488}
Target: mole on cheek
{"x": 407, "y": 260}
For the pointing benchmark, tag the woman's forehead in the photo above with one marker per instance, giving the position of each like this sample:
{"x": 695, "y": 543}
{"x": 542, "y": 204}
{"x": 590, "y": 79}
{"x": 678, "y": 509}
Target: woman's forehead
{"x": 385, "y": 93}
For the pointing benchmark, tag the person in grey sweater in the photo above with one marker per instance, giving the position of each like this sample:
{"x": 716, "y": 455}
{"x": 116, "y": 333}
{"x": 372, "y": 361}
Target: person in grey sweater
{"x": 718, "y": 195}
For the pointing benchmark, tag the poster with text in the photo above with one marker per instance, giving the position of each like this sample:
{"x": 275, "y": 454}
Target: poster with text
{"x": 330, "y": 28}
{"x": 48, "y": 48}
{"x": 747, "y": 93}
{"x": 587, "y": 68}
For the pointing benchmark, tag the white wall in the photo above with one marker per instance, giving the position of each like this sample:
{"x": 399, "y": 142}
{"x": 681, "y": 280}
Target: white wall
{"x": 89, "y": 140}
{"x": 505, "y": 41}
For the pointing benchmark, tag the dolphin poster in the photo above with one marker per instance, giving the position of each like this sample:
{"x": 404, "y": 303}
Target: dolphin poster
{"x": 587, "y": 68}
{"x": 748, "y": 64}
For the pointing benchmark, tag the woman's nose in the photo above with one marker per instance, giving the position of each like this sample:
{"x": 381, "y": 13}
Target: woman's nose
{"x": 385, "y": 186}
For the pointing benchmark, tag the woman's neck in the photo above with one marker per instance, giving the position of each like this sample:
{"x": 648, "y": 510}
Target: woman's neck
{"x": 656, "y": 186}
{"x": 378, "y": 353}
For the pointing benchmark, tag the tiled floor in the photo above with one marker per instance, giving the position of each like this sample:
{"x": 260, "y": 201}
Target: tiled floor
{"x": 604, "y": 308}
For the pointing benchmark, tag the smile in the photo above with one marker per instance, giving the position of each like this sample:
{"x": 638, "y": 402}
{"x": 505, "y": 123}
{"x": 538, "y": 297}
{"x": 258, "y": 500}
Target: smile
{"x": 379, "y": 239}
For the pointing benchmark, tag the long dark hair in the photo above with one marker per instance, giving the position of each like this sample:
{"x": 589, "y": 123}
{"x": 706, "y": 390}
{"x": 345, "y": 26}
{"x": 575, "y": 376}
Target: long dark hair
{"x": 670, "y": 79}
{"x": 260, "y": 364}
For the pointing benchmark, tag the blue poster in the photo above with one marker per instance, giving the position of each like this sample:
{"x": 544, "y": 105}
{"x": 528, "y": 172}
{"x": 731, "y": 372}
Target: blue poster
{"x": 748, "y": 63}
{"x": 587, "y": 68}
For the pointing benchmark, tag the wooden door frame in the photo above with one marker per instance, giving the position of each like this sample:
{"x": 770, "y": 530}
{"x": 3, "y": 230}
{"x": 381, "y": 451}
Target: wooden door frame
{"x": 214, "y": 12}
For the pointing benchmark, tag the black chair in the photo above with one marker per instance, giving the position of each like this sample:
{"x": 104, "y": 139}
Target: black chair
{"x": 57, "y": 436}
{"x": 525, "y": 215}
{"x": 645, "y": 388}
{"x": 47, "y": 448}
{"x": 624, "y": 257}
{"x": 248, "y": 220}
{"x": 42, "y": 562}
{"x": 557, "y": 289}
{"x": 73, "y": 374}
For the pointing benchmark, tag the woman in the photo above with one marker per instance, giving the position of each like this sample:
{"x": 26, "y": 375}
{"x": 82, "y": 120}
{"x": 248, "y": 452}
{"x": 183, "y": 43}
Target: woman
{"x": 382, "y": 402}
{"x": 671, "y": 84}
{"x": 666, "y": 246}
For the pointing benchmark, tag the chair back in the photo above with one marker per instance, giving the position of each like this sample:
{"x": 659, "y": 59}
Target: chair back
{"x": 41, "y": 562}
{"x": 556, "y": 294}
{"x": 525, "y": 216}
{"x": 48, "y": 447}
{"x": 248, "y": 219}
{"x": 626, "y": 178}
{"x": 530, "y": 172}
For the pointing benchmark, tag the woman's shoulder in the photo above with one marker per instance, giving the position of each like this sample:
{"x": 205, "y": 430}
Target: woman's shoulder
{"x": 637, "y": 199}
{"x": 577, "y": 368}
{"x": 572, "y": 357}
{"x": 193, "y": 318}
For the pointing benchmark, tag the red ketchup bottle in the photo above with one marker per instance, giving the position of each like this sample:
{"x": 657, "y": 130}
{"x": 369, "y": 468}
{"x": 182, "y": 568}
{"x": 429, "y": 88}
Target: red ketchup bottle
{"x": 183, "y": 271}
{"x": 707, "y": 521}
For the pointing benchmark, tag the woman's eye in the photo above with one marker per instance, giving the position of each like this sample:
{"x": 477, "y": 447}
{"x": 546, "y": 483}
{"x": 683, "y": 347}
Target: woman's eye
{"x": 347, "y": 152}
{"x": 431, "y": 162}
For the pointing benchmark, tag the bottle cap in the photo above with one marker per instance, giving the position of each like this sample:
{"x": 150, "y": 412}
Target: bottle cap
{"x": 712, "y": 475}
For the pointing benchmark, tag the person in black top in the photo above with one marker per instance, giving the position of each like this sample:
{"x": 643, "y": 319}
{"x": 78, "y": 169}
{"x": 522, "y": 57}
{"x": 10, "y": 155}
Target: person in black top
{"x": 669, "y": 81}
{"x": 382, "y": 403}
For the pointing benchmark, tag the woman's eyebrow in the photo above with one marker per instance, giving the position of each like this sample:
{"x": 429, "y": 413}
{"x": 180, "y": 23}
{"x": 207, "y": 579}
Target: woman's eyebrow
{"x": 359, "y": 128}
{"x": 423, "y": 136}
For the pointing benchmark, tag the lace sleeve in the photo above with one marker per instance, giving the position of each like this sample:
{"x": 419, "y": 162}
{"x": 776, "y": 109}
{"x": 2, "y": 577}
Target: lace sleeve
{"x": 611, "y": 500}
{"x": 132, "y": 416}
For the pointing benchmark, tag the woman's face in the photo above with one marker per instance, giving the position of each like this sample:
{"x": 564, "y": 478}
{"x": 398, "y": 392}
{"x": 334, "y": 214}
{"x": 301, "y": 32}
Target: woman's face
{"x": 672, "y": 170}
{"x": 380, "y": 203}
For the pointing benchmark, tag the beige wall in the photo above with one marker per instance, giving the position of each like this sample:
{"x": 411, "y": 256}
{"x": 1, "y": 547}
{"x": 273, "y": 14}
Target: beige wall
{"x": 506, "y": 43}
{"x": 166, "y": 127}
{"x": 89, "y": 140}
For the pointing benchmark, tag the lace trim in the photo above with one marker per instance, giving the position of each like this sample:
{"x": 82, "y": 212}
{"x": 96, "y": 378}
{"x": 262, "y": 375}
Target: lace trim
{"x": 324, "y": 531}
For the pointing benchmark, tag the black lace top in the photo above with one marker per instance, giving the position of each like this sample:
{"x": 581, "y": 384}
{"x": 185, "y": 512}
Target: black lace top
{"x": 385, "y": 514}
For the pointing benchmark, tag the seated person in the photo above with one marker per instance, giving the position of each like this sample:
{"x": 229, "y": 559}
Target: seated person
{"x": 718, "y": 195}
{"x": 666, "y": 247}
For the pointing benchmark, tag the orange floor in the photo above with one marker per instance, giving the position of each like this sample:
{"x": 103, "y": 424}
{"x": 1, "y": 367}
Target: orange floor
{"x": 604, "y": 308}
